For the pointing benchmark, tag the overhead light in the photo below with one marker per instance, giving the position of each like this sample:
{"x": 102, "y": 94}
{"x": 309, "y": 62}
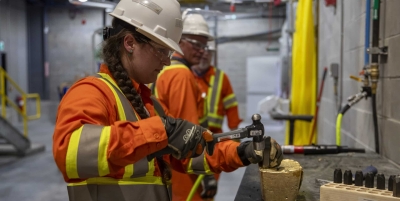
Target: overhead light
{"x": 93, "y": 4}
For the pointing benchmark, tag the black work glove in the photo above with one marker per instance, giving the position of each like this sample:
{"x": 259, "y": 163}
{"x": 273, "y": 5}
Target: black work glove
{"x": 184, "y": 139}
{"x": 209, "y": 184}
{"x": 248, "y": 155}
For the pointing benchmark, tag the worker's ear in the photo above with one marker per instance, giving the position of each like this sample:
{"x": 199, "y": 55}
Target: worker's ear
{"x": 129, "y": 43}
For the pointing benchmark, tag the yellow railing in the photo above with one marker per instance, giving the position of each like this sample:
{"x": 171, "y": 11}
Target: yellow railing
{"x": 25, "y": 96}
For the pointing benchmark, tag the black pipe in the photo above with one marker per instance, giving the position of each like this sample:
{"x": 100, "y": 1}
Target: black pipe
{"x": 375, "y": 59}
{"x": 375, "y": 119}
{"x": 375, "y": 28}
{"x": 344, "y": 109}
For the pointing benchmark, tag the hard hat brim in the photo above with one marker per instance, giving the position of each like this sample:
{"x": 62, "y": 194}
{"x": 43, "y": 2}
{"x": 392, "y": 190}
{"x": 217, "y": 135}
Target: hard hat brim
{"x": 199, "y": 33}
{"x": 167, "y": 42}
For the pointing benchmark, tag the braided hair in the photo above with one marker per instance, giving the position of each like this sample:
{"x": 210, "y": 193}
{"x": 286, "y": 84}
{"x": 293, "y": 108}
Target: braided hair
{"x": 112, "y": 58}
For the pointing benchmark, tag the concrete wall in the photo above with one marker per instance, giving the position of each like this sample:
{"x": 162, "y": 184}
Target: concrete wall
{"x": 69, "y": 45}
{"x": 232, "y": 55}
{"x": 357, "y": 124}
{"x": 13, "y": 32}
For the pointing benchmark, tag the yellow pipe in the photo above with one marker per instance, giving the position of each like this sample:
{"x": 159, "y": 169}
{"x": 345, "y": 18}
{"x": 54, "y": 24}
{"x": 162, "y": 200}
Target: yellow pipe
{"x": 195, "y": 186}
{"x": 338, "y": 127}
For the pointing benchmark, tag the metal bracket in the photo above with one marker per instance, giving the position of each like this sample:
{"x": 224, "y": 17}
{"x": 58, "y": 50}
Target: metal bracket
{"x": 378, "y": 50}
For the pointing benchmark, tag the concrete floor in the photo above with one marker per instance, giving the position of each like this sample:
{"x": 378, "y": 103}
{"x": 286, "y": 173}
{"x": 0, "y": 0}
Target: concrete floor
{"x": 36, "y": 177}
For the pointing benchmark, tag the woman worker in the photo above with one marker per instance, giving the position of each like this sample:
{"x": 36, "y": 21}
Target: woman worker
{"x": 112, "y": 140}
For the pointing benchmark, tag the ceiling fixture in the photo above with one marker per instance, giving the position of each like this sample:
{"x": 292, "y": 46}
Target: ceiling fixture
{"x": 93, "y": 4}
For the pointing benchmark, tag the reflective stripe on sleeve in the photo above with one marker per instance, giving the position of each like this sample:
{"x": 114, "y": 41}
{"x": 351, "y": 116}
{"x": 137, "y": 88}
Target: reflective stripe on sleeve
{"x": 199, "y": 165}
{"x": 87, "y": 152}
{"x": 230, "y": 101}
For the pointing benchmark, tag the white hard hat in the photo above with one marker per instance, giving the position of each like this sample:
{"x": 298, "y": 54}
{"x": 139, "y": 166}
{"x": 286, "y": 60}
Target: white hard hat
{"x": 195, "y": 24}
{"x": 159, "y": 20}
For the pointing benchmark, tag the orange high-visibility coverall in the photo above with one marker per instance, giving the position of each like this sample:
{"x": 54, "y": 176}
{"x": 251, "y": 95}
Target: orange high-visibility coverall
{"x": 186, "y": 181}
{"x": 178, "y": 90}
{"x": 232, "y": 111}
{"x": 90, "y": 101}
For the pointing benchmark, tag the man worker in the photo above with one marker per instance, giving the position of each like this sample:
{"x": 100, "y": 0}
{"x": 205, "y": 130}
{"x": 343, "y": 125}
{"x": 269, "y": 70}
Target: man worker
{"x": 221, "y": 101}
{"x": 177, "y": 89}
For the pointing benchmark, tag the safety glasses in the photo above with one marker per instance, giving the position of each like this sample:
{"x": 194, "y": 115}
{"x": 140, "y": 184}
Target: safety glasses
{"x": 160, "y": 52}
{"x": 196, "y": 44}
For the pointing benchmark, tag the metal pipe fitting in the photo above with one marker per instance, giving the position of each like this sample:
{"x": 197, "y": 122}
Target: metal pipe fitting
{"x": 374, "y": 74}
{"x": 356, "y": 98}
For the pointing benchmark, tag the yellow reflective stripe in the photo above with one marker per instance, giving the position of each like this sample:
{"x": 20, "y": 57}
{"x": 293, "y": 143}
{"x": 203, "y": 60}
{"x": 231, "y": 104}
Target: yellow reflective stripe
{"x": 209, "y": 94}
{"x": 215, "y": 91}
{"x": 107, "y": 77}
{"x": 128, "y": 171}
{"x": 228, "y": 97}
{"x": 230, "y": 101}
{"x": 203, "y": 119}
{"x": 206, "y": 166}
{"x": 217, "y": 98}
{"x": 154, "y": 90}
{"x": 150, "y": 173}
{"x": 163, "y": 71}
{"x": 172, "y": 67}
{"x": 72, "y": 152}
{"x": 126, "y": 181}
{"x": 121, "y": 112}
{"x": 200, "y": 166}
{"x": 103, "y": 147}
{"x": 122, "y": 116}
{"x": 216, "y": 116}
{"x": 231, "y": 105}
{"x": 190, "y": 168}
{"x": 215, "y": 125}
{"x": 215, "y": 120}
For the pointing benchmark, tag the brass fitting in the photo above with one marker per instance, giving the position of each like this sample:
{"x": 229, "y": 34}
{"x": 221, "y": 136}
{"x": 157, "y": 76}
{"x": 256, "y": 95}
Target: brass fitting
{"x": 365, "y": 72}
{"x": 374, "y": 74}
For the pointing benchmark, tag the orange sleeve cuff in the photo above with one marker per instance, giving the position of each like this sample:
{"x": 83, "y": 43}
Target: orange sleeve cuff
{"x": 225, "y": 157}
{"x": 154, "y": 131}
{"x": 131, "y": 141}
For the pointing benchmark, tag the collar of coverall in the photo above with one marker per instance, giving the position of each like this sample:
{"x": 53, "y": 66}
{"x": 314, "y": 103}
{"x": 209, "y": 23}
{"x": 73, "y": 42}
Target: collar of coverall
{"x": 178, "y": 57}
{"x": 140, "y": 88}
{"x": 203, "y": 73}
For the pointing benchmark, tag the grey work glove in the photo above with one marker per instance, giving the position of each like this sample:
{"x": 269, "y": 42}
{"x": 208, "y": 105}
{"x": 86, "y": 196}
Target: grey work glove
{"x": 184, "y": 139}
{"x": 209, "y": 184}
{"x": 248, "y": 155}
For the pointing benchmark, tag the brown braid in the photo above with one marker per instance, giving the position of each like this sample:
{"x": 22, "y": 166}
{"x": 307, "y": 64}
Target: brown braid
{"x": 112, "y": 58}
